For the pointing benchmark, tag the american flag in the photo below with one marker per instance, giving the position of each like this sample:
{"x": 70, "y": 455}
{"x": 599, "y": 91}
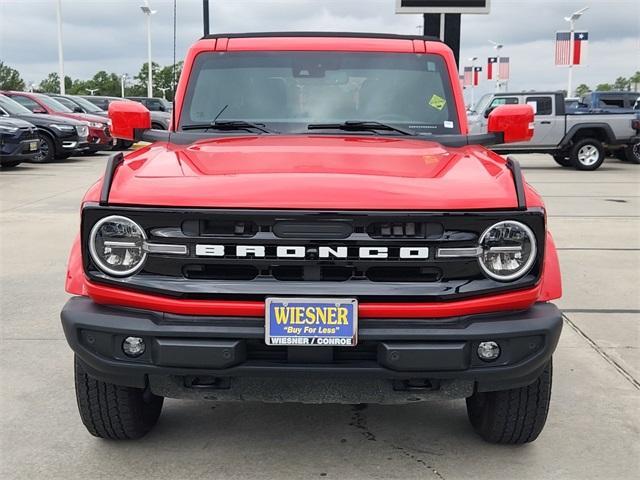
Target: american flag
{"x": 504, "y": 68}
{"x": 468, "y": 76}
{"x": 490, "y": 62}
{"x": 563, "y": 48}
{"x": 476, "y": 76}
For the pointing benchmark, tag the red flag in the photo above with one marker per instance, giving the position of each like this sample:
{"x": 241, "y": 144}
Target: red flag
{"x": 490, "y": 62}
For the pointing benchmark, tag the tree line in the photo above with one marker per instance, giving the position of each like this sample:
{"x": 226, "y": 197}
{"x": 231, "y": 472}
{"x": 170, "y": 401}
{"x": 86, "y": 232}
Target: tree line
{"x": 629, "y": 84}
{"x": 102, "y": 83}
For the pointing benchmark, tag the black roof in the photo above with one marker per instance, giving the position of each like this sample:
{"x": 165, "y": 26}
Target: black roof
{"x": 390, "y": 36}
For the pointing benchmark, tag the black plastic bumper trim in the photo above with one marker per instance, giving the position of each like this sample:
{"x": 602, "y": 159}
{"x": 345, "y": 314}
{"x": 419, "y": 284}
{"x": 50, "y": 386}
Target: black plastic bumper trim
{"x": 428, "y": 348}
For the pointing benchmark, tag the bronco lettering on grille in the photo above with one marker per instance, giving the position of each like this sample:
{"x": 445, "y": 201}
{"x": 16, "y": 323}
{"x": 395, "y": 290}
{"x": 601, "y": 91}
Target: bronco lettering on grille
{"x": 298, "y": 251}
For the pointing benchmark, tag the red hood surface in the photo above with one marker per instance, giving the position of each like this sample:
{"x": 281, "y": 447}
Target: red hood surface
{"x": 315, "y": 172}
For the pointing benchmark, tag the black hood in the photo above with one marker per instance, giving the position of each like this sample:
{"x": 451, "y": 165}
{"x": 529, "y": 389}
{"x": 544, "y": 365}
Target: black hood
{"x": 14, "y": 122}
{"x": 43, "y": 120}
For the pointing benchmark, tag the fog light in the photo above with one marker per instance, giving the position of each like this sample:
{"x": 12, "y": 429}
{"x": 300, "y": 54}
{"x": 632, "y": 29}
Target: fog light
{"x": 488, "y": 351}
{"x": 133, "y": 346}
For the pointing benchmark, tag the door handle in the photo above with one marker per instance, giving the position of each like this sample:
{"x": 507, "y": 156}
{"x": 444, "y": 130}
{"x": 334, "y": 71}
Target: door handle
{"x": 546, "y": 122}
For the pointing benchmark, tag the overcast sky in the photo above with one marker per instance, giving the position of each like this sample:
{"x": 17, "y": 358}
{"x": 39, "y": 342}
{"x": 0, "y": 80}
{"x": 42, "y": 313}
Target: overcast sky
{"x": 110, "y": 34}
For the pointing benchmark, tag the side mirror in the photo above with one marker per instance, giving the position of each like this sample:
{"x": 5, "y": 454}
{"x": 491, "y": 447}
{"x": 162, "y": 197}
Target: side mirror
{"x": 488, "y": 111}
{"x": 78, "y": 110}
{"x": 513, "y": 122}
{"x": 128, "y": 119}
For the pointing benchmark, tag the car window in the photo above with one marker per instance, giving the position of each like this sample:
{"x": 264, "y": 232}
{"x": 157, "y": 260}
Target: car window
{"x": 541, "y": 105}
{"x": 504, "y": 101}
{"x": 26, "y": 102}
{"x": 617, "y": 102}
{"x": 66, "y": 102}
{"x": 153, "y": 105}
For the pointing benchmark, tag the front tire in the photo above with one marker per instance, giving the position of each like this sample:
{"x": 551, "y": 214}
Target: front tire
{"x": 513, "y": 416}
{"x": 587, "y": 154}
{"x": 113, "y": 411}
{"x": 47, "y": 149}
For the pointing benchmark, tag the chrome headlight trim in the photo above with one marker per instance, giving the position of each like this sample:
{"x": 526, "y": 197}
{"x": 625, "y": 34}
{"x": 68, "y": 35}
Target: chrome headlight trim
{"x": 94, "y": 254}
{"x": 528, "y": 264}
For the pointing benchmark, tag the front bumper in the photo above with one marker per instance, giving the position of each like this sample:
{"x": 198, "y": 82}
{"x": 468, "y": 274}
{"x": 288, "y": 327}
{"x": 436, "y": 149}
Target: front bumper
{"x": 225, "y": 357}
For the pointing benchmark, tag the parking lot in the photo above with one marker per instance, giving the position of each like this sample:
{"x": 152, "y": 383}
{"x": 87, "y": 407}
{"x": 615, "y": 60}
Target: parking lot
{"x": 593, "y": 430}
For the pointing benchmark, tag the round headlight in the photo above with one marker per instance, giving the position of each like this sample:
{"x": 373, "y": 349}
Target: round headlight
{"x": 508, "y": 250}
{"x": 117, "y": 245}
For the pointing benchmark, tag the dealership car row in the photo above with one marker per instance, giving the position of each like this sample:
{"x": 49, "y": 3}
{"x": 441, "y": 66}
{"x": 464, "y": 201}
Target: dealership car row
{"x": 39, "y": 128}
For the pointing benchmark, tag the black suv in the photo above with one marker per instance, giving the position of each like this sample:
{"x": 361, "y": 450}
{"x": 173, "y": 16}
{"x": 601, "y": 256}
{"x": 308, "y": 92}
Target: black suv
{"x": 59, "y": 137}
{"x": 18, "y": 141}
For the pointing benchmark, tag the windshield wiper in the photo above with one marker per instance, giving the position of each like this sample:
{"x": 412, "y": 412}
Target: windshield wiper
{"x": 358, "y": 126}
{"x": 227, "y": 125}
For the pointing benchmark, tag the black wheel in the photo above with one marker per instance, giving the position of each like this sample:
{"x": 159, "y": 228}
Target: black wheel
{"x": 157, "y": 126}
{"x": 47, "y": 149}
{"x": 562, "y": 160}
{"x": 587, "y": 154}
{"x": 9, "y": 164}
{"x": 632, "y": 153}
{"x": 113, "y": 411}
{"x": 512, "y": 416}
{"x": 123, "y": 144}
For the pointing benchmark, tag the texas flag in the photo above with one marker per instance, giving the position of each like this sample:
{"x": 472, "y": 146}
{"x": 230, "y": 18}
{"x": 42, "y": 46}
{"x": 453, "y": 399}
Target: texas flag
{"x": 476, "y": 76}
{"x": 580, "y": 45}
{"x": 491, "y": 61}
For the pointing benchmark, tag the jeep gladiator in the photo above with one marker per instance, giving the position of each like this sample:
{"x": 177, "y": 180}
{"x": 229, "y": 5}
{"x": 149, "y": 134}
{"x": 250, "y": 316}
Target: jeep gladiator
{"x": 317, "y": 226}
{"x": 574, "y": 139}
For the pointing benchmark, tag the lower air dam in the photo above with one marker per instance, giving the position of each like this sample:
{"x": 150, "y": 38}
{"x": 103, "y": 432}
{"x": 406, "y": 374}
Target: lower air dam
{"x": 310, "y": 341}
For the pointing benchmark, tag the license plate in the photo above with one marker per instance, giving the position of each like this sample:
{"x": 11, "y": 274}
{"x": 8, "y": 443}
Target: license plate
{"x": 33, "y": 146}
{"x": 311, "y": 322}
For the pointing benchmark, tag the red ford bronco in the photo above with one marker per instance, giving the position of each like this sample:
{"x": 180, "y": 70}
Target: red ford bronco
{"x": 317, "y": 226}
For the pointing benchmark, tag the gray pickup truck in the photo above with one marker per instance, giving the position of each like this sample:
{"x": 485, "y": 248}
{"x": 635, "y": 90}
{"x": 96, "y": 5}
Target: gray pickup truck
{"x": 581, "y": 141}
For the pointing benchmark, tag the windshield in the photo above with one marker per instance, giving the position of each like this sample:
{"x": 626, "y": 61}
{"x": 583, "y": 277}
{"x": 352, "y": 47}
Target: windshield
{"x": 54, "y": 105}
{"x": 87, "y": 105}
{"x": 12, "y": 107}
{"x": 287, "y": 91}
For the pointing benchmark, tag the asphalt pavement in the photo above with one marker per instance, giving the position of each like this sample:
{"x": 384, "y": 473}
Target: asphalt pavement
{"x": 593, "y": 430}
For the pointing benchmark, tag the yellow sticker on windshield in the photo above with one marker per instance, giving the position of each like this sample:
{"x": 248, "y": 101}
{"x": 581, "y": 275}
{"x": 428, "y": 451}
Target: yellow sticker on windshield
{"x": 437, "y": 102}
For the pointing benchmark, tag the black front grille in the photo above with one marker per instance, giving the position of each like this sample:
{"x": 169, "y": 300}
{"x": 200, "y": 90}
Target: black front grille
{"x": 345, "y": 272}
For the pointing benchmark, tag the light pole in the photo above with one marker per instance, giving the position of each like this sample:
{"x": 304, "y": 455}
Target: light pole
{"x": 497, "y": 46}
{"x": 123, "y": 81}
{"x": 572, "y": 20}
{"x": 473, "y": 80}
{"x": 92, "y": 91}
{"x": 60, "y": 55}
{"x": 148, "y": 12}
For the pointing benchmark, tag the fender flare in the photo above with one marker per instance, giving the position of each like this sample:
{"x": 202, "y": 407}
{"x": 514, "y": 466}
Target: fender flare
{"x": 551, "y": 284}
{"x": 568, "y": 138}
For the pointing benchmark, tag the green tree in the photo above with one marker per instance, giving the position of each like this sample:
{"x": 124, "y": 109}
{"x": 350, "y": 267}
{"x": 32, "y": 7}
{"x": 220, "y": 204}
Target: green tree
{"x": 621, "y": 83}
{"x": 10, "y": 78}
{"x": 582, "y": 90}
{"x": 604, "y": 87}
{"x": 164, "y": 78}
{"x": 143, "y": 76}
{"x": 635, "y": 80}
